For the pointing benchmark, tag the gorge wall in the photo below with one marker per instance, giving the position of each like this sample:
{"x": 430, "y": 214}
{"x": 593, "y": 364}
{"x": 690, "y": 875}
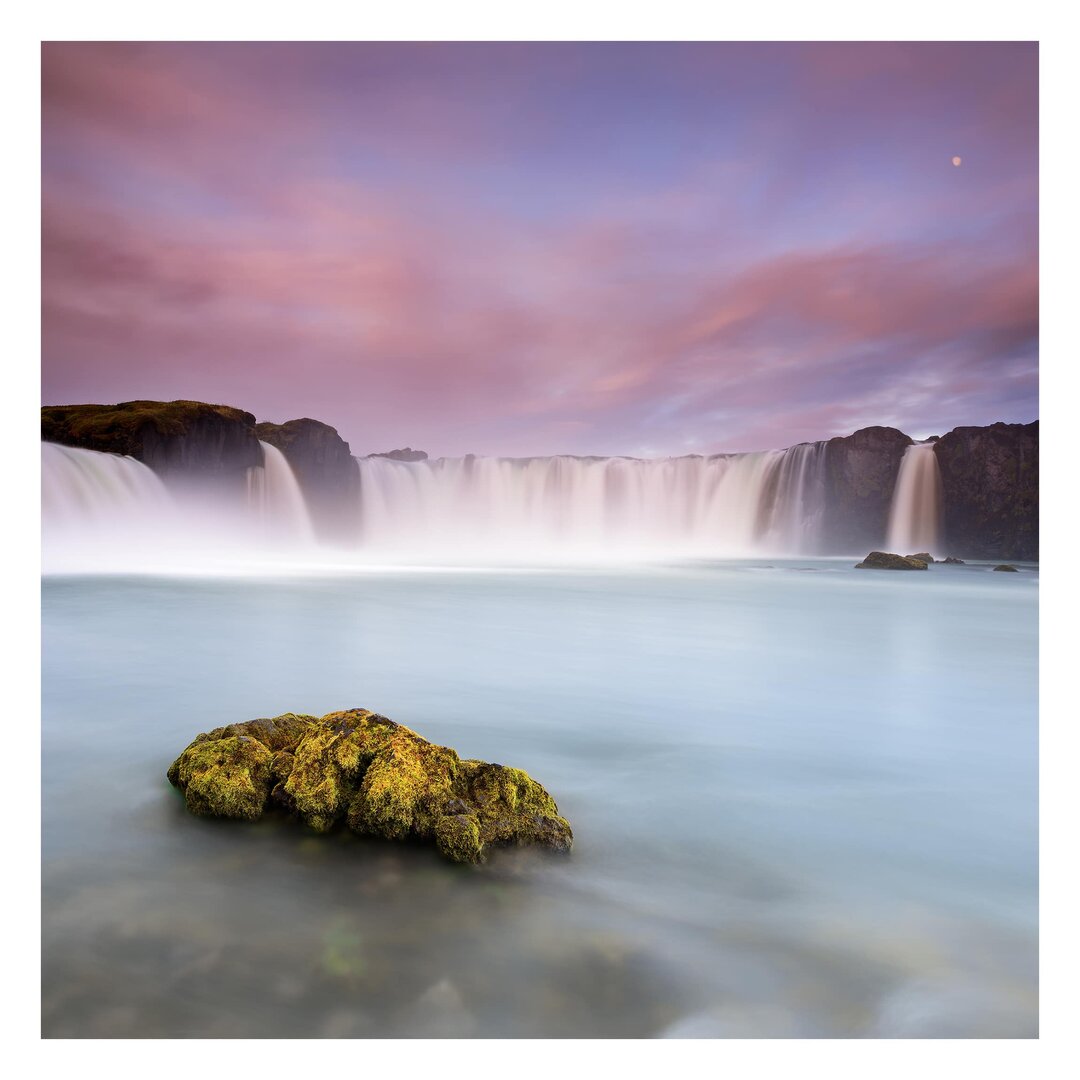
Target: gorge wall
{"x": 196, "y": 444}
{"x": 990, "y": 482}
{"x": 188, "y": 439}
{"x": 830, "y": 497}
{"x": 325, "y": 469}
{"x": 860, "y": 477}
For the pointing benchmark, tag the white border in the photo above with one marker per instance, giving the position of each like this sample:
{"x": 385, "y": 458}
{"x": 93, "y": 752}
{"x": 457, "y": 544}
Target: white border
{"x": 313, "y": 20}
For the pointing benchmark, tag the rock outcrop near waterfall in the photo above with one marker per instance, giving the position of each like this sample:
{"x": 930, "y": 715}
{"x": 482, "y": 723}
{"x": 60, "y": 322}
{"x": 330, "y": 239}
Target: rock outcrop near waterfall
{"x": 406, "y": 454}
{"x": 990, "y": 480}
{"x": 193, "y": 441}
{"x": 379, "y": 777}
{"x": 325, "y": 468}
{"x": 887, "y": 560}
{"x": 174, "y": 438}
{"x": 860, "y": 477}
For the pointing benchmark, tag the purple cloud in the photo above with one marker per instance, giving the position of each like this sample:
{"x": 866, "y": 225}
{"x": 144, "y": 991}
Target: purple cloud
{"x": 546, "y": 248}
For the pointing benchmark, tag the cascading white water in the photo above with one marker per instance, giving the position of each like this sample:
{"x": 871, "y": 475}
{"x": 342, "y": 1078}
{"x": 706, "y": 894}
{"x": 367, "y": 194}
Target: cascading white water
{"x": 275, "y": 497}
{"x": 915, "y": 517}
{"x": 106, "y": 512}
{"x": 793, "y": 511}
{"x": 524, "y": 508}
{"x": 95, "y": 507}
{"x": 84, "y": 489}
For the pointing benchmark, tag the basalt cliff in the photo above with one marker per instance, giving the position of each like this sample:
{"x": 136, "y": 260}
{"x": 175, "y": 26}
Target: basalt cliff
{"x": 989, "y": 476}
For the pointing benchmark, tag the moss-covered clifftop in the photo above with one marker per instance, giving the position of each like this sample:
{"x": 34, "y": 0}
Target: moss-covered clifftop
{"x": 378, "y": 777}
{"x": 990, "y": 481}
{"x": 860, "y": 475}
{"x": 189, "y": 437}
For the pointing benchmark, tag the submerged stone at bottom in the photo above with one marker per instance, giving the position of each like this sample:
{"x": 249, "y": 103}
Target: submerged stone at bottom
{"x": 378, "y": 776}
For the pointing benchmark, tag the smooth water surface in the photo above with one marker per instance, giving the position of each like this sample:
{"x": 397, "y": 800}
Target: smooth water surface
{"x": 803, "y": 796}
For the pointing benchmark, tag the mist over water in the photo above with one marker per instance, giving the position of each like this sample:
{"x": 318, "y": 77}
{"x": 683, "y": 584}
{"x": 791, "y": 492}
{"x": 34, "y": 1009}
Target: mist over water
{"x": 803, "y": 798}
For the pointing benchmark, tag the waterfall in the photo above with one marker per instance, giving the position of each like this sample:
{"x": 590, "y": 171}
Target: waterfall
{"x": 523, "y": 508}
{"x": 916, "y": 514}
{"x": 92, "y": 491}
{"x": 98, "y": 508}
{"x": 105, "y": 512}
{"x": 275, "y": 497}
{"x": 793, "y": 504}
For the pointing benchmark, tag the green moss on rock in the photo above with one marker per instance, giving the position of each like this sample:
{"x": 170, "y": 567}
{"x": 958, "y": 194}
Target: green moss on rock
{"x": 225, "y": 777}
{"x": 380, "y": 777}
{"x": 457, "y": 836}
{"x": 228, "y": 772}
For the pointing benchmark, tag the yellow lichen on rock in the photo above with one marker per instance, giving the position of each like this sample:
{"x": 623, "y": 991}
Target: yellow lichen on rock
{"x": 227, "y": 777}
{"x": 382, "y": 777}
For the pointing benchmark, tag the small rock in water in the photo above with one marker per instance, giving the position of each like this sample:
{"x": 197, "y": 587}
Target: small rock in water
{"x": 741, "y": 1021}
{"x": 885, "y": 560}
{"x": 346, "y": 1023}
{"x": 929, "y": 1009}
{"x": 1008, "y": 567}
{"x": 923, "y": 556}
{"x": 951, "y": 560}
{"x": 440, "y": 1013}
{"x": 380, "y": 777}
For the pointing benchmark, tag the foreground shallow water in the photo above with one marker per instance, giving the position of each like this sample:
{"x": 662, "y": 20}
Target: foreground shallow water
{"x": 804, "y": 801}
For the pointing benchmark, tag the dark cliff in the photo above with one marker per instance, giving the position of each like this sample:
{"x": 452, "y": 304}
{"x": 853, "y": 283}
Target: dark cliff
{"x": 185, "y": 439}
{"x": 860, "y": 475}
{"x": 326, "y": 471}
{"x": 408, "y": 454}
{"x": 195, "y": 443}
{"x": 990, "y": 480}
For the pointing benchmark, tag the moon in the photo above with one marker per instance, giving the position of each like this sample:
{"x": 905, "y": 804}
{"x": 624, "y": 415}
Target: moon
{"x": 956, "y": 160}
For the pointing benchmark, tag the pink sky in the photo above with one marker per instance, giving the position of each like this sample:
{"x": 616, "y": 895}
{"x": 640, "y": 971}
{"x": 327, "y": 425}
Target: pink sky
{"x": 528, "y": 249}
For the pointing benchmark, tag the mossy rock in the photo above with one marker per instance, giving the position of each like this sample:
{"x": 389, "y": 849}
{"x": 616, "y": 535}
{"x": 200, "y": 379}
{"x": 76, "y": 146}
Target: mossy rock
{"x": 379, "y": 777}
{"x": 1008, "y": 568}
{"x": 229, "y": 771}
{"x": 885, "y": 560}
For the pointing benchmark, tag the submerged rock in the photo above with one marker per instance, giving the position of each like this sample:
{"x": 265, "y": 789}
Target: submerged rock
{"x": 378, "y": 776}
{"x": 1008, "y": 567}
{"x": 885, "y": 560}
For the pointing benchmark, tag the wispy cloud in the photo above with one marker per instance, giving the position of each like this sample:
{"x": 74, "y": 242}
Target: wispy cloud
{"x": 524, "y": 249}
